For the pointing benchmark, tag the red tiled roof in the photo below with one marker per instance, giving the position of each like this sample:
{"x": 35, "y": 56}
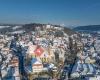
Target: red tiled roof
{"x": 38, "y": 51}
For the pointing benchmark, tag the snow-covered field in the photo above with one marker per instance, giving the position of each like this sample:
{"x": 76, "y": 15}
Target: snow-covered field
{"x": 16, "y": 27}
{"x": 4, "y": 27}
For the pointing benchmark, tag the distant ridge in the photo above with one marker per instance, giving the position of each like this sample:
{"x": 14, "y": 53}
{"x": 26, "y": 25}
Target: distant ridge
{"x": 87, "y": 28}
{"x": 7, "y": 24}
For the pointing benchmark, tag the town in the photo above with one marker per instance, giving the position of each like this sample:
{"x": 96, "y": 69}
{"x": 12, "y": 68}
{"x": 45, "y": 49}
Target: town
{"x": 49, "y": 39}
{"x": 49, "y": 53}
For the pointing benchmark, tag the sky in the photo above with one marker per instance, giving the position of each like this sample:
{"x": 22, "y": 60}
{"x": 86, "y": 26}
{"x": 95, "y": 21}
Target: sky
{"x": 63, "y": 12}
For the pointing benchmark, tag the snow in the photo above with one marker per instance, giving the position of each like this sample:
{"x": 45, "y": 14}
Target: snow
{"x": 4, "y": 27}
{"x": 0, "y": 58}
{"x": 15, "y": 32}
{"x": 4, "y": 73}
{"x": 16, "y": 27}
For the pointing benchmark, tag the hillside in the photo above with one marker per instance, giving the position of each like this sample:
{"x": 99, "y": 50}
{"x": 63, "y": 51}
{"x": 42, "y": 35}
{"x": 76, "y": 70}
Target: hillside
{"x": 11, "y": 29}
{"x": 29, "y": 27}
